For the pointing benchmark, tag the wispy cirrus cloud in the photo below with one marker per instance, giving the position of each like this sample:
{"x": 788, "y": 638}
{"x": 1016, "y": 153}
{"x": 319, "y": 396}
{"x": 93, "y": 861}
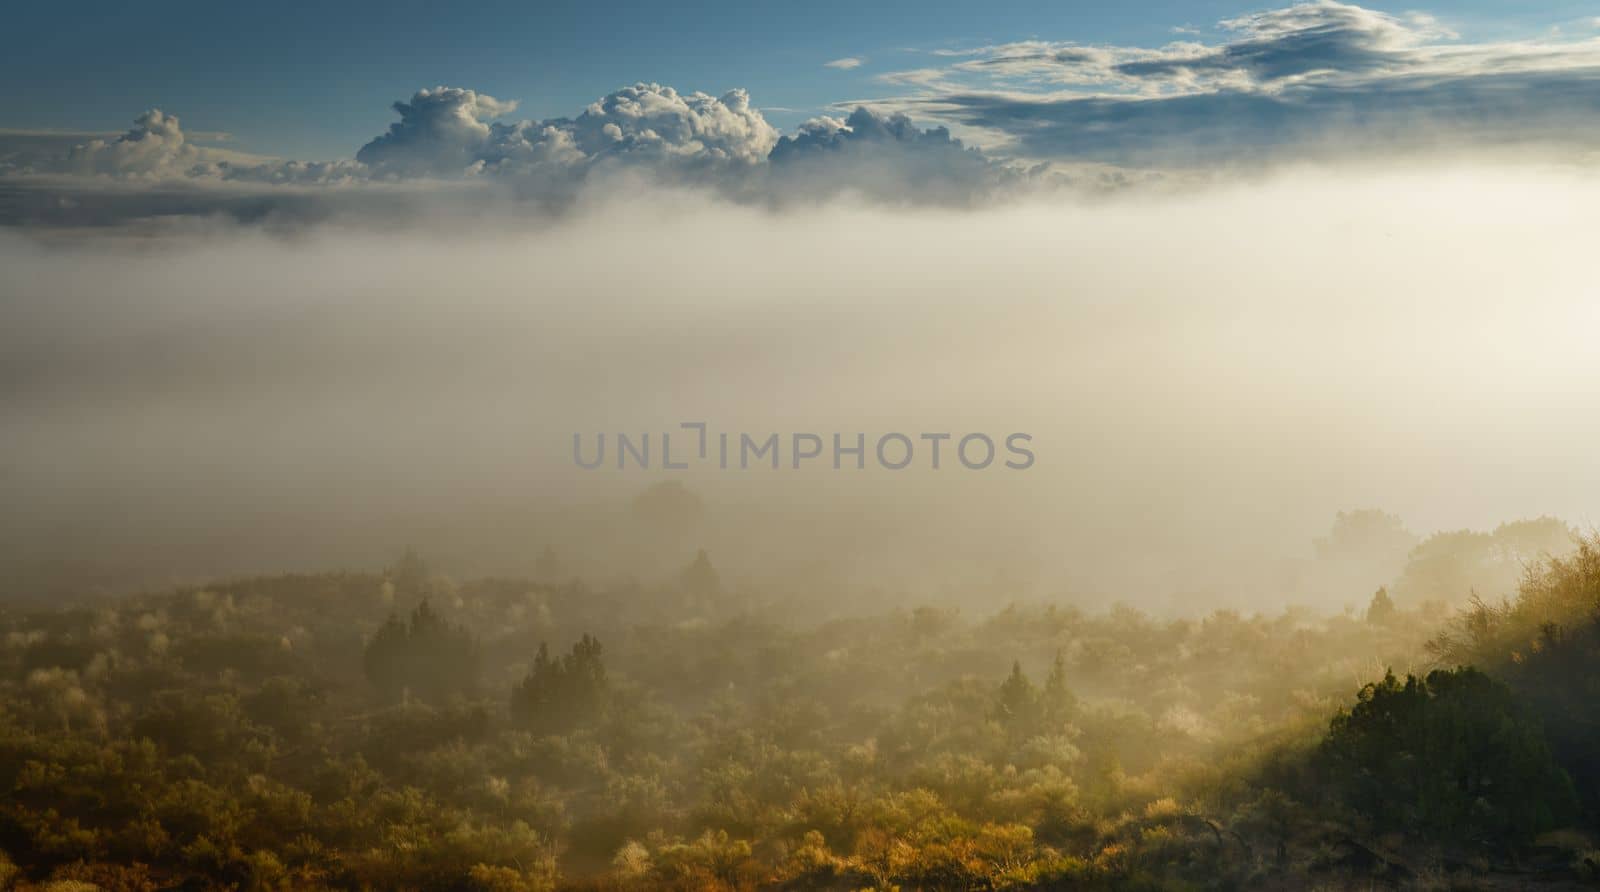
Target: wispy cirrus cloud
{"x": 845, "y": 64}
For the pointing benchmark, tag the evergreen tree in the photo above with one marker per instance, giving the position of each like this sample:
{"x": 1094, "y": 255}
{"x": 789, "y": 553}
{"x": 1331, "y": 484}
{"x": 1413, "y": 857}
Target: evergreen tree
{"x": 1452, "y": 757}
{"x": 557, "y": 695}
{"x": 700, "y": 578}
{"x": 1381, "y": 610}
{"x": 427, "y": 657}
{"x": 1017, "y": 702}
{"x": 1059, "y": 703}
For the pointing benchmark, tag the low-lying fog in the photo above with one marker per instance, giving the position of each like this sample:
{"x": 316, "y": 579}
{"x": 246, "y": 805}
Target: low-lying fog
{"x": 1207, "y": 374}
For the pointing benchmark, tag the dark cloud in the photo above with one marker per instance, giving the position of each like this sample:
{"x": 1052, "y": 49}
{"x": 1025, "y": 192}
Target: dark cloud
{"x": 1308, "y": 38}
{"x": 22, "y": 149}
{"x": 1330, "y": 120}
{"x": 885, "y": 157}
{"x": 1316, "y": 77}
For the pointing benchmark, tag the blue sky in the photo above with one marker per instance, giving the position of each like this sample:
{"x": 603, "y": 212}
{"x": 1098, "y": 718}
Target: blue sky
{"x": 316, "y": 80}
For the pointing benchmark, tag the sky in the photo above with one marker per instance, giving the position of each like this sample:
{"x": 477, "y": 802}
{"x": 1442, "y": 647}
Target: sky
{"x": 299, "y": 286}
{"x": 314, "y": 81}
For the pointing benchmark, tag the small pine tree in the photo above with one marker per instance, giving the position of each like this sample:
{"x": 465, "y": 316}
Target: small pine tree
{"x": 384, "y": 657}
{"x": 1381, "y": 610}
{"x": 557, "y": 695}
{"x": 1017, "y": 701}
{"x": 1059, "y": 702}
{"x": 700, "y": 578}
{"x": 427, "y": 657}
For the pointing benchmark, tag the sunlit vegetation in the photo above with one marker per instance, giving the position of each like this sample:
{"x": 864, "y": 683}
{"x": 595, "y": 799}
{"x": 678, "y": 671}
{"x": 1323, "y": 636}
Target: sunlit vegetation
{"x": 400, "y": 730}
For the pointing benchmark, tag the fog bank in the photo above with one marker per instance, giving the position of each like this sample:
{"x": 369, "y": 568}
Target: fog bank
{"x": 1207, "y": 377}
